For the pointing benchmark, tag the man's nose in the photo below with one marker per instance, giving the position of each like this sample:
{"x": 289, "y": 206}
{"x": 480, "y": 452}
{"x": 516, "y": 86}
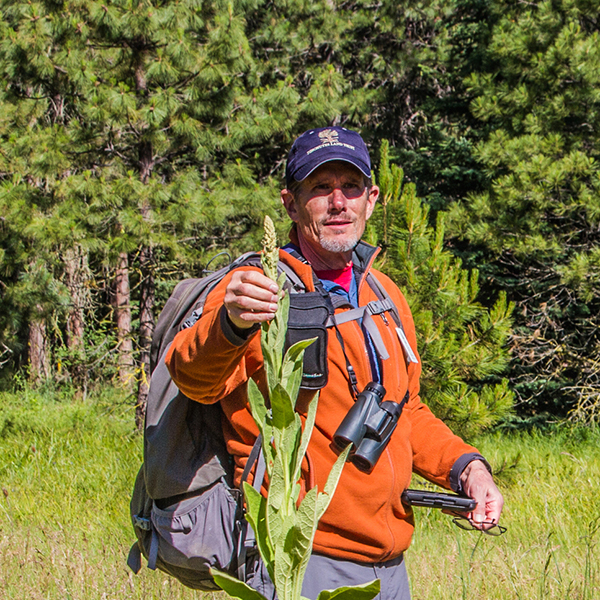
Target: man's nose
{"x": 337, "y": 199}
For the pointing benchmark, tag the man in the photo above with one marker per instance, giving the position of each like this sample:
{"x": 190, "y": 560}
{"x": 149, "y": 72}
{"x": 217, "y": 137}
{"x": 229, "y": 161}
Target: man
{"x": 366, "y": 529}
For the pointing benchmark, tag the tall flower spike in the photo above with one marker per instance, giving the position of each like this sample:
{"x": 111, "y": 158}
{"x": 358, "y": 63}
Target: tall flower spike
{"x": 284, "y": 524}
{"x": 270, "y": 251}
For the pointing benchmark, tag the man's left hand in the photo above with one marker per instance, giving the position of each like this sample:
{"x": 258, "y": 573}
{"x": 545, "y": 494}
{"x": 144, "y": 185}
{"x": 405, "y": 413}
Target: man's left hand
{"x": 477, "y": 483}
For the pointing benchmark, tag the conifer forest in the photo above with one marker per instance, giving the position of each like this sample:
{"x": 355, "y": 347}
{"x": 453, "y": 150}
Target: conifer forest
{"x": 144, "y": 141}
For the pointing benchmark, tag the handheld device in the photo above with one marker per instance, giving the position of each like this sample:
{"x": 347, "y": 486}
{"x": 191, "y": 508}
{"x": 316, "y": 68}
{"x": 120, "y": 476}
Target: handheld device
{"x": 438, "y": 500}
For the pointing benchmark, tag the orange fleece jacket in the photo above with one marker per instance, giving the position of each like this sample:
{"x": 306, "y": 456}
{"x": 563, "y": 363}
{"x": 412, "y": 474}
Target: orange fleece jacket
{"x": 366, "y": 520}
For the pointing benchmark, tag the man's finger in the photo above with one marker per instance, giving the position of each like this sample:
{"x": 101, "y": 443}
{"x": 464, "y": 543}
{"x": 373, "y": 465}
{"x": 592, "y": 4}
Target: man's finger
{"x": 248, "y": 280}
{"x": 250, "y": 297}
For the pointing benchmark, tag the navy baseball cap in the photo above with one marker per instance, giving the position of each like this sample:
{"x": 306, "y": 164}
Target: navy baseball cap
{"x": 318, "y": 146}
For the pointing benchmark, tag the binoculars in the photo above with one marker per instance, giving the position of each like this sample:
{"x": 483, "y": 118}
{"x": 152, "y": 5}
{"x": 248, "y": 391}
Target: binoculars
{"x": 368, "y": 426}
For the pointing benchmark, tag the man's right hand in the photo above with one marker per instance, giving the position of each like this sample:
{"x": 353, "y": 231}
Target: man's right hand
{"x": 250, "y": 298}
{"x": 477, "y": 483}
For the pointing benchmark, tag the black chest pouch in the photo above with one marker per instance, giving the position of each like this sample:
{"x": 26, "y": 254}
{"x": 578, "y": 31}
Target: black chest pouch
{"x": 308, "y": 317}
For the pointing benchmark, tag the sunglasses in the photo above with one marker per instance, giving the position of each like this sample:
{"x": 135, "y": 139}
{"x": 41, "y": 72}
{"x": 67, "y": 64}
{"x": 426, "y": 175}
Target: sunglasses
{"x": 487, "y": 527}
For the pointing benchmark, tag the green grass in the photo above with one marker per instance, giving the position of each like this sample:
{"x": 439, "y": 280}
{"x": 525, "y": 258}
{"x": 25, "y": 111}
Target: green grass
{"x": 67, "y": 468}
{"x": 552, "y": 510}
{"x": 66, "y": 471}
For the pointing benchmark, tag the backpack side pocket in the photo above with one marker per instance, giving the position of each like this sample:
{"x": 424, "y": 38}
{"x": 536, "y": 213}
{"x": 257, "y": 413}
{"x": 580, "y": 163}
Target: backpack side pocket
{"x": 198, "y": 533}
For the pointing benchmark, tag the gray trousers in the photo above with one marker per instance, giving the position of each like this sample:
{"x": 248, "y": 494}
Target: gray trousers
{"x": 324, "y": 573}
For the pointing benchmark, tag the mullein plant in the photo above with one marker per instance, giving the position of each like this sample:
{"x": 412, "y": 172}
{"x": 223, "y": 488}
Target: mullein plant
{"x": 284, "y": 526}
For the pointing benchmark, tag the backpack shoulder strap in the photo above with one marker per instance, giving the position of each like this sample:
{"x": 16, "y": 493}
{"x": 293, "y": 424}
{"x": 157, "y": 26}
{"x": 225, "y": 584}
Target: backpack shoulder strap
{"x": 382, "y": 294}
{"x": 293, "y": 283}
{"x": 384, "y": 297}
{"x": 185, "y": 305}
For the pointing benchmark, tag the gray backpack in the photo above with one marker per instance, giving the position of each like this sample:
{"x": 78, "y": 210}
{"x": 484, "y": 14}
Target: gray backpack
{"x": 187, "y": 515}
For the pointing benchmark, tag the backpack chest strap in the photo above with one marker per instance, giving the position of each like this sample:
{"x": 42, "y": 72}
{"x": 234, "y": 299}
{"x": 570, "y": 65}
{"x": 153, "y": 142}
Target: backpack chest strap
{"x": 375, "y": 307}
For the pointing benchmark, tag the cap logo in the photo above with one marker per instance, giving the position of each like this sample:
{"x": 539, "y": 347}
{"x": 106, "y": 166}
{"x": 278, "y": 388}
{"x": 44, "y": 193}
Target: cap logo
{"x": 328, "y": 138}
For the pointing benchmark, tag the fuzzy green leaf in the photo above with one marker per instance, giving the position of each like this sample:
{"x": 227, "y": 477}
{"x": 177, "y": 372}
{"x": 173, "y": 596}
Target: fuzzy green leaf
{"x": 332, "y": 481}
{"x": 276, "y": 486}
{"x": 358, "y": 592}
{"x": 306, "y": 525}
{"x": 291, "y": 369}
{"x": 234, "y": 587}
{"x": 256, "y": 506}
{"x": 291, "y": 441}
{"x": 282, "y": 407}
{"x": 257, "y": 403}
{"x": 306, "y": 433}
{"x": 295, "y": 553}
{"x": 281, "y": 282}
{"x": 271, "y": 355}
{"x": 289, "y": 554}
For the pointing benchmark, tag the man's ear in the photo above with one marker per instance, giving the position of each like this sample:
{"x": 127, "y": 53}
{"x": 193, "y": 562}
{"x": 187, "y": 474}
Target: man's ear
{"x": 372, "y": 200}
{"x": 287, "y": 199}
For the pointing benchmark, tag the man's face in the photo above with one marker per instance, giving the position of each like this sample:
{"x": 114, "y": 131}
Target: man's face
{"x": 331, "y": 207}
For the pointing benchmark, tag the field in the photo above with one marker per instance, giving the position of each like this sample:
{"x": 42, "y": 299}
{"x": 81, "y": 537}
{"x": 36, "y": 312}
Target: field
{"x": 67, "y": 467}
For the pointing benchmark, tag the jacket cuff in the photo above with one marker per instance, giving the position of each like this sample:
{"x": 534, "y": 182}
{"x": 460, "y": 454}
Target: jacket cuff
{"x": 233, "y": 334}
{"x": 460, "y": 465}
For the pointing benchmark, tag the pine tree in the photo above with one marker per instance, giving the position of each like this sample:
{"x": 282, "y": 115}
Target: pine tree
{"x": 32, "y": 163}
{"x": 462, "y": 345}
{"x": 362, "y": 64}
{"x": 536, "y": 225}
{"x": 437, "y": 152}
{"x": 115, "y": 139}
{"x": 146, "y": 137}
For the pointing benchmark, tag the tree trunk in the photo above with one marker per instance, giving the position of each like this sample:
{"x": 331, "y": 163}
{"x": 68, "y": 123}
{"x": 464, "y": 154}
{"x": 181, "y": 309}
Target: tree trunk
{"x": 39, "y": 359}
{"x": 123, "y": 320}
{"x": 147, "y": 290}
{"x": 76, "y": 277}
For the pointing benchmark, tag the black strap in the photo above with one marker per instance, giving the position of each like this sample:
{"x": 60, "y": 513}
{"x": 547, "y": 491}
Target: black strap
{"x": 404, "y": 400}
{"x": 349, "y": 368}
{"x": 246, "y": 539}
{"x": 252, "y": 458}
